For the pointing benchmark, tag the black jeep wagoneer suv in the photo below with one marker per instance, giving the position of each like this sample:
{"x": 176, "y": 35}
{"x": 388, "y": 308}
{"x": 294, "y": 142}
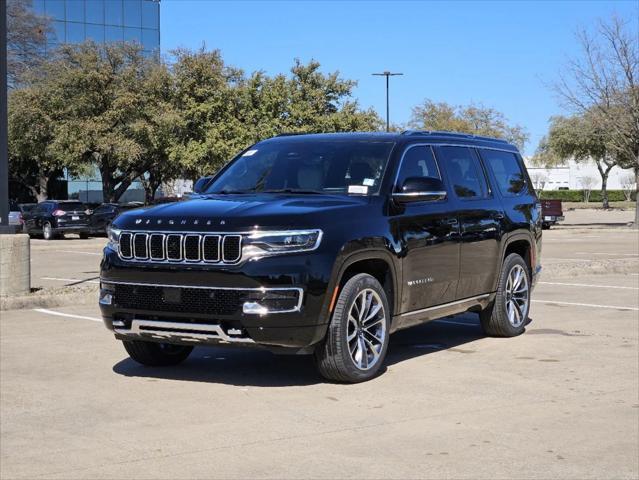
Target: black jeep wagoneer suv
{"x": 326, "y": 244}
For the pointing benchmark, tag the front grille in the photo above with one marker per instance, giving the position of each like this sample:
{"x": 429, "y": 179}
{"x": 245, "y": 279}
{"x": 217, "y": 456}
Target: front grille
{"x": 178, "y": 247}
{"x": 179, "y": 299}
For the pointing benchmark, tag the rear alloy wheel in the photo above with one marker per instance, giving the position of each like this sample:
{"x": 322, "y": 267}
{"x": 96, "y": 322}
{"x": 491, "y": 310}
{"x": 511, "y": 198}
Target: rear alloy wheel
{"x": 357, "y": 339}
{"x": 508, "y": 315}
{"x": 47, "y": 231}
{"x": 157, "y": 354}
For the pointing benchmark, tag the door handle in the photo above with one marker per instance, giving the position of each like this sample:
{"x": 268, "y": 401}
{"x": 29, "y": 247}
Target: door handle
{"x": 499, "y": 216}
{"x": 451, "y": 221}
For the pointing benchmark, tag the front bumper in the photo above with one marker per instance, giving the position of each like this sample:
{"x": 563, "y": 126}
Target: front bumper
{"x": 274, "y": 302}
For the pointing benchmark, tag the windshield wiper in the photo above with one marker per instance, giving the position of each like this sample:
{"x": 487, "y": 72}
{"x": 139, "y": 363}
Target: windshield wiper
{"x": 231, "y": 192}
{"x": 292, "y": 190}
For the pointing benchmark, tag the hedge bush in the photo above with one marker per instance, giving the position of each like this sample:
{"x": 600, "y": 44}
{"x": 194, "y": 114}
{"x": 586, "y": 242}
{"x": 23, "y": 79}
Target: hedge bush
{"x": 578, "y": 195}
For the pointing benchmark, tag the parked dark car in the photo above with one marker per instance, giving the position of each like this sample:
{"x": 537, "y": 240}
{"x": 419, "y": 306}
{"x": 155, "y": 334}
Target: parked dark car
{"x": 102, "y": 217}
{"x": 326, "y": 244}
{"x": 54, "y": 218}
{"x": 551, "y": 212}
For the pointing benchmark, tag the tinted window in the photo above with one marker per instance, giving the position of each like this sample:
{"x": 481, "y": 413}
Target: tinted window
{"x": 418, "y": 161}
{"x": 95, "y": 33}
{"x": 464, "y": 172}
{"x": 132, "y": 13}
{"x": 95, "y": 11}
{"x": 68, "y": 207}
{"x": 507, "y": 171}
{"x": 150, "y": 14}
{"x": 113, "y": 12}
{"x": 75, "y": 32}
{"x": 323, "y": 166}
{"x": 75, "y": 11}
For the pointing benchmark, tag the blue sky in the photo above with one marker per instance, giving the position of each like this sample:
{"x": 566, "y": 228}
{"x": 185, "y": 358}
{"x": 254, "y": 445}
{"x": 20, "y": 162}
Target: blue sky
{"x": 501, "y": 54}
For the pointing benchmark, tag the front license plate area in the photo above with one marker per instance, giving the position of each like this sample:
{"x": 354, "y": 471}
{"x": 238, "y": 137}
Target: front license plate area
{"x": 171, "y": 295}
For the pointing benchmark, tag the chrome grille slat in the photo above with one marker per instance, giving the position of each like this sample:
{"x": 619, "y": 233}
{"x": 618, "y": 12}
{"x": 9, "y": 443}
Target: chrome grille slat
{"x": 191, "y": 247}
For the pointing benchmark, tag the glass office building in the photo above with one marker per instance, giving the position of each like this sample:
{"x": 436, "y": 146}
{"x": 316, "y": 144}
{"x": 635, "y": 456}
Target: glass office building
{"x": 103, "y": 21}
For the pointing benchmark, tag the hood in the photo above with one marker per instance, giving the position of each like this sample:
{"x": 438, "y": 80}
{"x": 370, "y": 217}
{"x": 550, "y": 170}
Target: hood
{"x": 240, "y": 212}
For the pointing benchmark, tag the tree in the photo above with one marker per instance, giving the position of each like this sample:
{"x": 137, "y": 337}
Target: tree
{"x": 539, "y": 180}
{"x": 31, "y": 132}
{"x": 26, "y": 38}
{"x": 586, "y": 183}
{"x": 628, "y": 186}
{"x": 224, "y": 111}
{"x": 96, "y": 94}
{"x": 604, "y": 81}
{"x": 581, "y": 138}
{"x": 472, "y": 119}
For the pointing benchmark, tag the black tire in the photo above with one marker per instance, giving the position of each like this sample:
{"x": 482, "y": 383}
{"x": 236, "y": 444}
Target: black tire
{"x": 545, "y": 226}
{"x": 495, "y": 319}
{"x": 333, "y": 356}
{"x": 157, "y": 354}
{"x": 84, "y": 236}
{"x": 47, "y": 231}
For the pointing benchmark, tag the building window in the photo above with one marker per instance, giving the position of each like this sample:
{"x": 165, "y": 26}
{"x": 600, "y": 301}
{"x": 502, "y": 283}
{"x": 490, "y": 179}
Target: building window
{"x": 75, "y": 32}
{"x": 113, "y": 12}
{"x": 95, "y": 33}
{"x": 132, "y": 13}
{"x": 95, "y": 11}
{"x": 114, "y": 34}
{"x": 75, "y": 11}
{"x": 150, "y": 14}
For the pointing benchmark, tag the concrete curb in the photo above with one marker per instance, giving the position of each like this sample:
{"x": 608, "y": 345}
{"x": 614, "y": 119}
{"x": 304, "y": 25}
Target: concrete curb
{"x": 589, "y": 267}
{"x": 51, "y": 298}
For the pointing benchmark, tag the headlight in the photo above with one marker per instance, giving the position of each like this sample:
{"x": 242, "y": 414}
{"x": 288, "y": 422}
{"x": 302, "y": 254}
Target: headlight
{"x": 262, "y": 244}
{"x": 113, "y": 234}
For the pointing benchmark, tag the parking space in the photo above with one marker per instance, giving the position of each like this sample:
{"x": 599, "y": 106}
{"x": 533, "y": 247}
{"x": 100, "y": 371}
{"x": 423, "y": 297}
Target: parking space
{"x": 559, "y": 401}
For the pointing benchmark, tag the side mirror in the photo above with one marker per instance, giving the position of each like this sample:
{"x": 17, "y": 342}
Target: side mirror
{"x": 200, "y": 185}
{"x": 421, "y": 189}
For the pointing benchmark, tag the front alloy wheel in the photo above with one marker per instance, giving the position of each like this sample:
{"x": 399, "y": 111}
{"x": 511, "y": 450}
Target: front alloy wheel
{"x": 366, "y": 330}
{"x": 357, "y": 339}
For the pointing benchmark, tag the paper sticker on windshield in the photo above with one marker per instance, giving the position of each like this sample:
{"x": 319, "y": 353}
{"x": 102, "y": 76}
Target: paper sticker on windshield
{"x": 369, "y": 182}
{"x": 249, "y": 153}
{"x": 358, "y": 189}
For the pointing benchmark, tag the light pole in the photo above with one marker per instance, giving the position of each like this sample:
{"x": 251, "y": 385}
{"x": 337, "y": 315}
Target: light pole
{"x": 387, "y": 74}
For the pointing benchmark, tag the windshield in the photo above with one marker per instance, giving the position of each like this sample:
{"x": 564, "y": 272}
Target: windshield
{"x": 309, "y": 166}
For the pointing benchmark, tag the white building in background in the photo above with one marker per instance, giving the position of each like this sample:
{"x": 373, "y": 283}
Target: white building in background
{"x": 574, "y": 176}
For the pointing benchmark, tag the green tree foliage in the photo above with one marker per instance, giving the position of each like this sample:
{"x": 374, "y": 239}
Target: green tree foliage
{"x": 581, "y": 138}
{"x": 473, "y": 119}
{"x": 97, "y": 96}
{"x": 32, "y": 124}
{"x": 131, "y": 117}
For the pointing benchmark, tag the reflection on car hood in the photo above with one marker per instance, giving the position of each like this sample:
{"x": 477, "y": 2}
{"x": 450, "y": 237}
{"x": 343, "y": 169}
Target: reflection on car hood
{"x": 240, "y": 212}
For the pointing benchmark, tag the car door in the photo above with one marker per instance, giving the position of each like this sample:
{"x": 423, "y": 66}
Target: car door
{"x": 429, "y": 236}
{"x": 480, "y": 214}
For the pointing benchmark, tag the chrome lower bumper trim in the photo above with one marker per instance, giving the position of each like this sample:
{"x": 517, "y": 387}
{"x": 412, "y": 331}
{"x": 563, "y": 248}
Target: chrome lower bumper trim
{"x": 186, "y": 332}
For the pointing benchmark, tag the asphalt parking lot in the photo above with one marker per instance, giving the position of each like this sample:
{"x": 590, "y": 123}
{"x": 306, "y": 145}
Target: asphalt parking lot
{"x": 560, "y": 401}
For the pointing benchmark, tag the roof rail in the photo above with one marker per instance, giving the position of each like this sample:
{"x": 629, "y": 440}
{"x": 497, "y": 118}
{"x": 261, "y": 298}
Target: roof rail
{"x": 291, "y": 134}
{"x": 441, "y": 133}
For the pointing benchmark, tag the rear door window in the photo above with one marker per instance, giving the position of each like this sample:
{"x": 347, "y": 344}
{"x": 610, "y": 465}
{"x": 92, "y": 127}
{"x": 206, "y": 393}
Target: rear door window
{"x": 464, "y": 172}
{"x": 507, "y": 171}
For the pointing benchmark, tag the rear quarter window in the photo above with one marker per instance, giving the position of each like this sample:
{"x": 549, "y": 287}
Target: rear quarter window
{"x": 507, "y": 170}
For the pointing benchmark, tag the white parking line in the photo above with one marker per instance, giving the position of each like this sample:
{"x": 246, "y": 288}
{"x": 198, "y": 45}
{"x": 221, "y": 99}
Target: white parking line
{"x": 69, "y": 315}
{"x": 69, "y": 279}
{"x": 592, "y": 305}
{"x": 588, "y": 285}
{"x": 81, "y": 253}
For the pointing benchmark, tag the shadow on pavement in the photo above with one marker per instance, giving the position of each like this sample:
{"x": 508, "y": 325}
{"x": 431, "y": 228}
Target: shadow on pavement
{"x": 260, "y": 368}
